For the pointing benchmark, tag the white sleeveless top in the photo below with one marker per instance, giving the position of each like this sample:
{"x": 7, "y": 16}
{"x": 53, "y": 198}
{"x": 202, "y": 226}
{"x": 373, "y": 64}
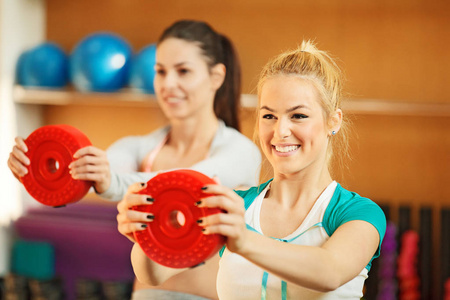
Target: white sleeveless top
{"x": 239, "y": 279}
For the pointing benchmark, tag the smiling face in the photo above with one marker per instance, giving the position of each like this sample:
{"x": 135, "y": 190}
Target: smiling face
{"x": 184, "y": 84}
{"x": 292, "y": 129}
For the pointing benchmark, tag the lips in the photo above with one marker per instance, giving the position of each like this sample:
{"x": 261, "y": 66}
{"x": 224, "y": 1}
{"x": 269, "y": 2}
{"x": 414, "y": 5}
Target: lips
{"x": 173, "y": 100}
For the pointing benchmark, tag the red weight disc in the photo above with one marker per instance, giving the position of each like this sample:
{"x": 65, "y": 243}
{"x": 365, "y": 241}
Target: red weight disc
{"x": 50, "y": 150}
{"x": 173, "y": 238}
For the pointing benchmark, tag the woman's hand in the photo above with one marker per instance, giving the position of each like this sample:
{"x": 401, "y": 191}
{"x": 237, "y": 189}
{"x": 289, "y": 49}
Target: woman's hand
{"x": 92, "y": 164}
{"x": 229, "y": 223}
{"x": 128, "y": 220}
{"x": 18, "y": 161}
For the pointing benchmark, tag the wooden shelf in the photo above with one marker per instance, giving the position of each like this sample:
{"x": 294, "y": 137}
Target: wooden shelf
{"x": 393, "y": 108}
{"x": 130, "y": 97}
{"x": 124, "y": 97}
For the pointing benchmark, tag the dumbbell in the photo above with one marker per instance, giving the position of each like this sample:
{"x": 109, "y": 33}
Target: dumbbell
{"x": 174, "y": 238}
{"x": 50, "y": 150}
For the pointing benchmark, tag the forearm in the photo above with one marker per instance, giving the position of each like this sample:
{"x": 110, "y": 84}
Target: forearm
{"x": 307, "y": 266}
{"x": 120, "y": 183}
{"x": 148, "y": 271}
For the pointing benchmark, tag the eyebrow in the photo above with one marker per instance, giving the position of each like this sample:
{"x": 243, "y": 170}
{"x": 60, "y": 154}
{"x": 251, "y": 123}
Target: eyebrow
{"x": 176, "y": 65}
{"x": 288, "y": 110}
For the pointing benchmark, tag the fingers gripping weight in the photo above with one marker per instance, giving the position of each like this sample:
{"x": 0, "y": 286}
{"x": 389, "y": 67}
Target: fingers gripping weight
{"x": 50, "y": 150}
{"x": 173, "y": 238}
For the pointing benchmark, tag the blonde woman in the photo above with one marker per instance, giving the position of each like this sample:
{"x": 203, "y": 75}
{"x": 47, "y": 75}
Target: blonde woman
{"x": 300, "y": 235}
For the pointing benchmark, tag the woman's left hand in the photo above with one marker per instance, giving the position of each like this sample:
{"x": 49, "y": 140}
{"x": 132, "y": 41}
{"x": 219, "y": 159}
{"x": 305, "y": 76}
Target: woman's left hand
{"x": 229, "y": 223}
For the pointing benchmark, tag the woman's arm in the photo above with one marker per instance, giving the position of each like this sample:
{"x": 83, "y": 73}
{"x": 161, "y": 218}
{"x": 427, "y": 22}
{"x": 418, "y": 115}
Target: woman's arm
{"x": 323, "y": 268}
{"x": 130, "y": 221}
{"x": 148, "y": 271}
{"x": 124, "y": 157}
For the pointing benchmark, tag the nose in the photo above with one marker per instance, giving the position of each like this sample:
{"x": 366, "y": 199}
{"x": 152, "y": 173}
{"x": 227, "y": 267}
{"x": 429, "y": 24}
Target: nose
{"x": 282, "y": 128}
{"x": 169, "y": 80}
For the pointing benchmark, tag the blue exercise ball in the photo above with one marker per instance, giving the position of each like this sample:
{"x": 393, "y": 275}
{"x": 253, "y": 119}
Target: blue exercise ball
{"x": 45, "y": 65}
{"x": 100, "y": 63}
{"x": 143, "y": 72}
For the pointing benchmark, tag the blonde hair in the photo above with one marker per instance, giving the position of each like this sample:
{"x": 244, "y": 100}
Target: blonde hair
{"x": 317, "y": 66}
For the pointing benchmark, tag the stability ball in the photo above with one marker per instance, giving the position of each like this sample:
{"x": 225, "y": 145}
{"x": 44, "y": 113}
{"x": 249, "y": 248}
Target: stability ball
{"x": 142, "y": 72}
{"x": 45, "y": 65}
{"x": 100, "y": 63}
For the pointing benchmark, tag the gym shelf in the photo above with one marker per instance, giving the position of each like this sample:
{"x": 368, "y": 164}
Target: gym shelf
{"x": 131, "y": 97}
{"x": 125, "y": 97}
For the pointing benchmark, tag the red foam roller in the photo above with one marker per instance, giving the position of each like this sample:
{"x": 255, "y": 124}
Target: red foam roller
{"x": 50, "y": 150}
{"x": 174, "y": 238}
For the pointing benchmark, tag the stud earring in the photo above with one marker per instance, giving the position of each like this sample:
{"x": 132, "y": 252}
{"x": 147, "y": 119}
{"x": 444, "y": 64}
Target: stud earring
{"x": 333, "y": 132}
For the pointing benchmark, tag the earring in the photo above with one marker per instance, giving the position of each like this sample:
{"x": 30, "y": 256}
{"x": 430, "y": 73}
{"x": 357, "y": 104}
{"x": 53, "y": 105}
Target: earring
{"x": 333, "y": 132}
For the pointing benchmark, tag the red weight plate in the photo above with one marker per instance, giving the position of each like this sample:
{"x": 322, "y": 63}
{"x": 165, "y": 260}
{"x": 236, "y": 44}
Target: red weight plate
{"x": 50, "y": 150}
{"x": 173, "y": 238}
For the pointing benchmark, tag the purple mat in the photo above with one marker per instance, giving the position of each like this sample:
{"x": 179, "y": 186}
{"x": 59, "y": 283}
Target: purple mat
{"x": 86, "y": 241}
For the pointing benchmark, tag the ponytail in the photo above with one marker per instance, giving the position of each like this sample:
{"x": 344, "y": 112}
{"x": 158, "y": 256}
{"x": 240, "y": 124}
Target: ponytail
{"x": 227, "y": 99}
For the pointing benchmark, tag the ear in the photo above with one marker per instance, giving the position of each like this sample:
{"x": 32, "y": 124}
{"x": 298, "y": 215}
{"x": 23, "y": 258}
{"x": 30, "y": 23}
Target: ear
{"x": 218, "y": 73}
{"x": 335, "y": 121}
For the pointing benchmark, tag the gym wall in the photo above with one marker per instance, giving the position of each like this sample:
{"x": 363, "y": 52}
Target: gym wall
{"x": 391, "y": 51}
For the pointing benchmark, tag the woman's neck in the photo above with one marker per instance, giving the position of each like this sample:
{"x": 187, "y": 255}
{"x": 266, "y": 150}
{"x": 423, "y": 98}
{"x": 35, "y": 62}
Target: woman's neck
{"x": 191, "y": 133}
{"x": 302, "y": 188}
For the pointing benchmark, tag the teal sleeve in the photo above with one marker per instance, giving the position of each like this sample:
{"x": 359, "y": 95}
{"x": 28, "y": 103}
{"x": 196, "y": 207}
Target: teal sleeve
{"x": 348, "y": 206}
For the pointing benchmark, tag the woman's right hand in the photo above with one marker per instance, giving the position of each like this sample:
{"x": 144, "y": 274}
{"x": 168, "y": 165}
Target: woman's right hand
{"x": 18, "y": 161}
{"x": 91, "y": 164}
{"x": 128, "y": 220}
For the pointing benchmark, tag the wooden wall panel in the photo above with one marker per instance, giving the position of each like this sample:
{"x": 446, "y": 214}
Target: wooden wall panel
{"x": 402, "y": 158}
{"x": 395, "y": 51}
{"x": 104, "y": 125}
{"x": 389, "y": 50}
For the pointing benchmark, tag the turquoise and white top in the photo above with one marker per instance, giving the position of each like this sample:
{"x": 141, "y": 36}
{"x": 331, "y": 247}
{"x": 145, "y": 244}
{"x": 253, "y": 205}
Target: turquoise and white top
{"x": 240, "y": 279}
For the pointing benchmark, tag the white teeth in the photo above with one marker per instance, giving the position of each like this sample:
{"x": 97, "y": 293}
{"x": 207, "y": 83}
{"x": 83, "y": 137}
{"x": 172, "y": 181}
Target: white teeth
{"x": 286, "y": 149}
{"x": 173, "y": 100}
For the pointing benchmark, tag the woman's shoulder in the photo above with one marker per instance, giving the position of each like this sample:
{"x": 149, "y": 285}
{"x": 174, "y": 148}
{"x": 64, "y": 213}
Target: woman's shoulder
{"x": 344, "y": 200}
{"x": 345, "y": 194}
{"x": 346, "y": 206}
